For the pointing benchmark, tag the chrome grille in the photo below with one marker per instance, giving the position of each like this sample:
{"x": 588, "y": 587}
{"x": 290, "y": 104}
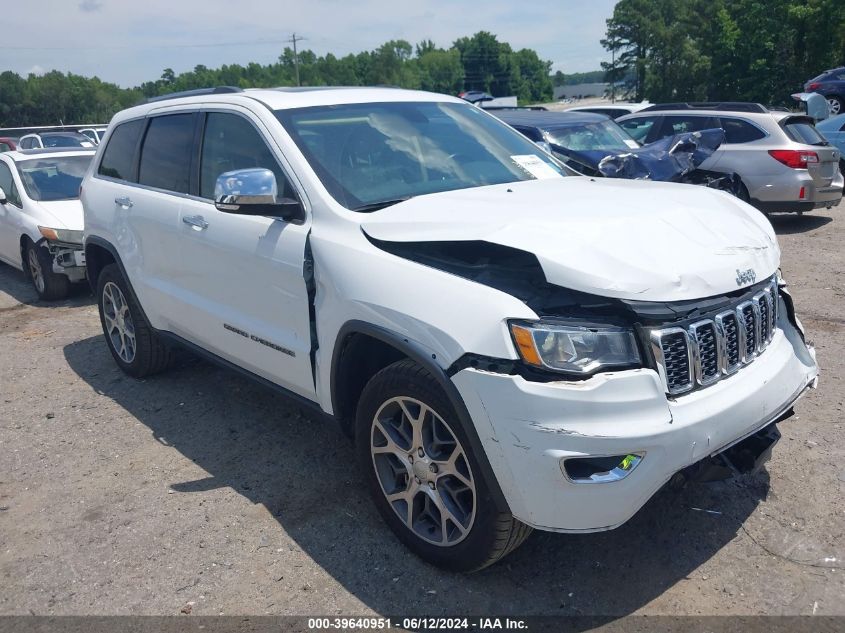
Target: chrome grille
{"x": 676, "y": 360}
{"x": 728, "y": 323}
{"x": 750, "y": 326}
{"x": 704, "y": 352}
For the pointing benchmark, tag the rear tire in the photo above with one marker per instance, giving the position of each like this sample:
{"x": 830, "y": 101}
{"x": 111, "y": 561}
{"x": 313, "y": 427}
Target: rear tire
{"x": 38, "y": 264}
{"x": 414, "y": 448}
{"x": 836, "y": 105}
{"x": 133, "y": 343}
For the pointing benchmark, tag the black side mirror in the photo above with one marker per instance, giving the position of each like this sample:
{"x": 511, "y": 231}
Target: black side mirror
{"x": 254, "y": 192}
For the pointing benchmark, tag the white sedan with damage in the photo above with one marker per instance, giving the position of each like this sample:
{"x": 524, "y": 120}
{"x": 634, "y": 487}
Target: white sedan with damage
{"x": 41, "y": 218}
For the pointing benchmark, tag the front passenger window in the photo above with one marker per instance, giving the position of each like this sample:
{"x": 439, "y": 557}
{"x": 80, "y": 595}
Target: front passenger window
{"x": 231, "y": 142}
{"x": 7, "y": 183}
{"x": 639, "y": 128}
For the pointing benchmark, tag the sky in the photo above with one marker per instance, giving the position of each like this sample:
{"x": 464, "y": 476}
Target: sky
{"x": 128, "y": 42}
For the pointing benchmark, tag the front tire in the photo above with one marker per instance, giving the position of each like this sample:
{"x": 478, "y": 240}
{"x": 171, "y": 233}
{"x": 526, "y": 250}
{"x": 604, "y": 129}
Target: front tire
{"x": 836, "y": 105}
{"x": 38, "y": 264}
{"x": 133, "y": 343}
{"x": 424, "y": 478}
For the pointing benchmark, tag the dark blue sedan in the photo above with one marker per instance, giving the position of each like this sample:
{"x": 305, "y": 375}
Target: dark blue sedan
{"x": 830, "y": 84}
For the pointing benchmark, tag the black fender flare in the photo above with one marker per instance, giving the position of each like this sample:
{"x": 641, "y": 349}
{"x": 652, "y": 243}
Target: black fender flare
{"x": 420, "y": 355}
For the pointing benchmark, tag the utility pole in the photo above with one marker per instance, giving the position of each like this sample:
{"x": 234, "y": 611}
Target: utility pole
{"x": 293, "y": 40}
{"x": 613, "y": 70}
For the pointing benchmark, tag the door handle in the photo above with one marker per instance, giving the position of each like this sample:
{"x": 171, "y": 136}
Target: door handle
{"x": 195, "y": 221}
{"x": 124, "y": 202}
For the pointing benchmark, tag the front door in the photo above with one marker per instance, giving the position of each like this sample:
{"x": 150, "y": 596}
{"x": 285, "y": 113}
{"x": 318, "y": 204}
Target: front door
{"x": 242, "y": 277}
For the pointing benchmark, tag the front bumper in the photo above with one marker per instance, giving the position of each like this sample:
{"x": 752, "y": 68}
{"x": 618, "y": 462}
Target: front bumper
{"x": 68, "y": 259}
{"x": 528, "y": 428}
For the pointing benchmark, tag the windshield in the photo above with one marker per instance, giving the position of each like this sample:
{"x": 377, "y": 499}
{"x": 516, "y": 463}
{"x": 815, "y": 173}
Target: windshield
{"x": 373, "y": 154}
{"x": 49, "y": 179}
{"x": 598, "y": 136}
{"x": 65, "y": 141}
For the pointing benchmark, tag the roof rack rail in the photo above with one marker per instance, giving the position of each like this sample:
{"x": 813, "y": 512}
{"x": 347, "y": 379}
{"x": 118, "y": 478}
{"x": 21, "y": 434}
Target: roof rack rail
{"x": 729, "y": 106}
{"x": 219, "y": 90}
{"x": 521, "y": 108}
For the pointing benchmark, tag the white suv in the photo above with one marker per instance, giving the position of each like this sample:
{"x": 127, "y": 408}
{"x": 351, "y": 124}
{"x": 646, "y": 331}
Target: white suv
{"x": 510, "y": 347}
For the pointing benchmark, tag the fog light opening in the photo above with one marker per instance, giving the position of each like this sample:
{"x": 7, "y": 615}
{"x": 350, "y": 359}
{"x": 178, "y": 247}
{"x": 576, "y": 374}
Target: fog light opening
{"x": 592, "y": 470}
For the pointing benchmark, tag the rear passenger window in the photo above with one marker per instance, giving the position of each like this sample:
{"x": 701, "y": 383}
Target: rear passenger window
{"x": 739, "y": 131}
{"x": 166, "y": 154}
{"x": 231, "y": 142}
{"x": 119, "y": 155}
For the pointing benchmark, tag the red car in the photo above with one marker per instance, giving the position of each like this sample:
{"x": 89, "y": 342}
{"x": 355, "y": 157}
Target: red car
{"x": 7, "y": 144}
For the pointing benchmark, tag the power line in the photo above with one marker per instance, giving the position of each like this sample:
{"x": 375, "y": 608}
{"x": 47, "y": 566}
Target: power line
{"x": 129, "y": 47}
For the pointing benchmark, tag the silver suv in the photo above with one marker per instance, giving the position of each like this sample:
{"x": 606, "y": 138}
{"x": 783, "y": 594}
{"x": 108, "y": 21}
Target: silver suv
{"x": 783, "y": 161}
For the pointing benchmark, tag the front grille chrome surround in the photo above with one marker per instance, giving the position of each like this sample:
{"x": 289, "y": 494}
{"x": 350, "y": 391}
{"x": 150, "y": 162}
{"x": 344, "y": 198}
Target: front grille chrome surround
{"x": 706, "y": 351}
{"x": 674, "y": 362}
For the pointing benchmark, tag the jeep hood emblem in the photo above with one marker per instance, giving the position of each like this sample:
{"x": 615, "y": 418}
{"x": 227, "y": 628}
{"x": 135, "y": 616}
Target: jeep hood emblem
{"x": 744, "y": 277}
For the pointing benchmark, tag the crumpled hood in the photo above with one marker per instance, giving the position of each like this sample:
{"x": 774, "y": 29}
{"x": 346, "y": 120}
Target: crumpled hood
{"x": 68, "y": 214}
{"x": 625, "y": 239}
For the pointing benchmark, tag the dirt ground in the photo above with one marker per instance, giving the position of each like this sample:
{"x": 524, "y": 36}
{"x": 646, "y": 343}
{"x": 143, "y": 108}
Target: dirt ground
{"x": 198, "y": 490}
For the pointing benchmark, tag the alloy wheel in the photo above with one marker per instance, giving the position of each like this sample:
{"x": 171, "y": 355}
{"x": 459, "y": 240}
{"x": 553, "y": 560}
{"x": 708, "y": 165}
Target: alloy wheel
{"x": 423, "y": 471}
{"x": 835, "y": 105}
{"x": 120, "y": 328}
{"x": 35, "y": 270}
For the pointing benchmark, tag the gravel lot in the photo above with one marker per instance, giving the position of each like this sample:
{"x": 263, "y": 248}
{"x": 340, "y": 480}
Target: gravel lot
{"x": 199, "y": 491}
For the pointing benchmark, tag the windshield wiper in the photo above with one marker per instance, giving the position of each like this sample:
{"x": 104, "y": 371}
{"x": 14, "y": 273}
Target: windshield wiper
{"x": 375, "y": 206}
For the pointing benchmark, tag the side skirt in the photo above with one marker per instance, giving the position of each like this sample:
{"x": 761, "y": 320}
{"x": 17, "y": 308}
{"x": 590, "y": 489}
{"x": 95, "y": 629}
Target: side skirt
{"x": 178, "y": 341}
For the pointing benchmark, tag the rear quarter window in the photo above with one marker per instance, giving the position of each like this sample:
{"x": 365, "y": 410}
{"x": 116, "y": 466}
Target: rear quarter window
{"x": 119, "y": 155}
{"x": 802, "y": 131}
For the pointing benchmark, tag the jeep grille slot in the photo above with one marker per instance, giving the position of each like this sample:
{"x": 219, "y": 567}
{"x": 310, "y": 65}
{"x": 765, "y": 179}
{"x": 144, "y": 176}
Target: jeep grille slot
{"x": 730, "y": 332}
{"x": 673, "y": 351}
{"x": 704, "y": 336}
{"x": 751, "y": 324}
{"x": 704, "y": 352}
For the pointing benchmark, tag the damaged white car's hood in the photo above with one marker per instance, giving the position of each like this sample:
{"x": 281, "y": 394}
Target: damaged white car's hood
{"x": 68, "y": 214}
{"x": 625, "y": 239}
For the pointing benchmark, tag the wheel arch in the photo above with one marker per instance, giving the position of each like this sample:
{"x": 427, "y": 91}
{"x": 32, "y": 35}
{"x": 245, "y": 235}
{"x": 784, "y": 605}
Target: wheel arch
{"x": 99, "y": 253}
{"x": 379, "y": 347}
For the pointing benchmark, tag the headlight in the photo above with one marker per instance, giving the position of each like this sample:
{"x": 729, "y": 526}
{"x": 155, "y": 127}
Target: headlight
{"x": 62, "y": 235}
{"x": 575, "y": 349}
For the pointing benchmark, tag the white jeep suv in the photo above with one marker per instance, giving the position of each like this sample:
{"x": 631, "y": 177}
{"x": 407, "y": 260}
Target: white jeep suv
{"x": 511, "y": 347}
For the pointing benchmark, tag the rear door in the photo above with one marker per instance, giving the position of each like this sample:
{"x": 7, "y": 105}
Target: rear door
{"x": 741, "y": 152}
{"x": 142, "y": 178}
{"x": 801, "y": 130}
